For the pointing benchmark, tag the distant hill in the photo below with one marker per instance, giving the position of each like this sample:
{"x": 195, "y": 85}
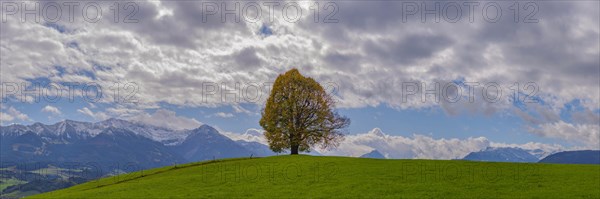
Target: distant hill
{"x": 501, "y": 154}
{"x": 257, "y": 149}
{"x": 373, "y": 154}
{"x": 574, "y": 157}
{"x": 206, "y": 143}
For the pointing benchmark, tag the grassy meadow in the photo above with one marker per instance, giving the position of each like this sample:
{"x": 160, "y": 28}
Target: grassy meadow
{"x": 302, "y": 176}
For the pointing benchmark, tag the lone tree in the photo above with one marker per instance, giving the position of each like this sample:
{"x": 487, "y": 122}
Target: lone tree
{"x": 299, "y": 115}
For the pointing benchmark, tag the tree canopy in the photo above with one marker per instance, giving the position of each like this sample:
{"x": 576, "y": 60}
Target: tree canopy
{"x": 299, "y": 114}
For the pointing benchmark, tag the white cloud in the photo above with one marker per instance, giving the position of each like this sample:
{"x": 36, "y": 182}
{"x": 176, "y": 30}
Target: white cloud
{"x": 399, "y": 147}
{"x": 251, "y": 135}
{"x": 124, "y": 111}
{"x": 540, "y": 150}
{"x": 224, "y": 115}
{"x": 95, "y": 115}
{"x": 5, "y": 117}
{"x": 239, "y": 109}
{"x": 168, "y": 119}
{"x": 51, "y": 109}
{"x": 424, "y": 147}
{"x": 11, "y": 114}
{"x": 586, "y": 134}
{"x": 367, "y": 64}
{"x": 17, "y": 114}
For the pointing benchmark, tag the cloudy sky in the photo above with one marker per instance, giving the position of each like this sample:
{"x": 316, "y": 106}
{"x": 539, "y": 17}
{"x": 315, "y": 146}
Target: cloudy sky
{"x": 520, "y": 74}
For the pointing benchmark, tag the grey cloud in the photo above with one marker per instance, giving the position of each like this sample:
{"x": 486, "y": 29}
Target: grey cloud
{"x": 343, "y": 61}
{"x": 368, "y": 53}
{"x": 586, "y": 117}
{"x": 247, "y": 59}
{"x": 408, "y": 49}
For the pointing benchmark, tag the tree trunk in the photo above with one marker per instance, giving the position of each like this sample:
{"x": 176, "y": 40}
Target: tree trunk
{"x": 294, "y": 150}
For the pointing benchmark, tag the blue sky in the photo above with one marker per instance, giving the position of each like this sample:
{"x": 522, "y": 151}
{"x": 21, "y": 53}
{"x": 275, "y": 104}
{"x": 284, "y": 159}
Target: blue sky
{"x": 502, "y": 126}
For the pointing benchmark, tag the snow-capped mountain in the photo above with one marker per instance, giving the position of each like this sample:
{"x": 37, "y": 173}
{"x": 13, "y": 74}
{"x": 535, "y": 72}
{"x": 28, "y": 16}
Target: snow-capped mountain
{"x": 373, "y": 154}
{"x": 502, "y": 154}
{"x": 251, "y": 135}
{"x": 116, "y": 141}
{"x": 206, "y": 143}
{"x": 540, "y": 154}
{"x": 164, "y": 135}
{"x": 54, "y": 129}
{"x": 377, "y": 132}
{"x": 84, "y": 130}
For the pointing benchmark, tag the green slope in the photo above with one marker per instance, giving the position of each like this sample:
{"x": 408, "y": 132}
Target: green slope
{"x": 341, "y": 177}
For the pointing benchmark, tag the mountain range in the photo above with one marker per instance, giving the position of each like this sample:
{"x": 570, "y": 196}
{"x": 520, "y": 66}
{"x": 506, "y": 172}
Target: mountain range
{"x": 503, "y": 154}
{"x": 373, "y": 154}
{"x": 116, "y": 141}
{"x": 574, "y": 157}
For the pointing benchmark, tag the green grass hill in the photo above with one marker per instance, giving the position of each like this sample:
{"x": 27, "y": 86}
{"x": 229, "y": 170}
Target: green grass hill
{"x": 303, "y": 176}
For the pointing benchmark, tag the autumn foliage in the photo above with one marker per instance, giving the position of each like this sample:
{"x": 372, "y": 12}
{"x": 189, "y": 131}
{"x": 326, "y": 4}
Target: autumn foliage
{"x": 299, "y": 115}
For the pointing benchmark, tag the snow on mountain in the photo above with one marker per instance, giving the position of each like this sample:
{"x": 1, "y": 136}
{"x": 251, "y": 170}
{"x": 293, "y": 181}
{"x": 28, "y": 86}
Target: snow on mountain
{"x": 426, "y": 147}
{"x": 502, "y": 154}
{"x": 251, "y": 135}
{"x": 377, "y": 132}
{"x": 539, "y": 150}
{"x": 87, "y": 129}
{"x": 400, "y": 147}
{"x": 160, "y": 134}
{"x": 84, "y": 128}
{"x": 116, "y": 140}
{"x": 540, "y": 154}
{"x": 394, "y": 146}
